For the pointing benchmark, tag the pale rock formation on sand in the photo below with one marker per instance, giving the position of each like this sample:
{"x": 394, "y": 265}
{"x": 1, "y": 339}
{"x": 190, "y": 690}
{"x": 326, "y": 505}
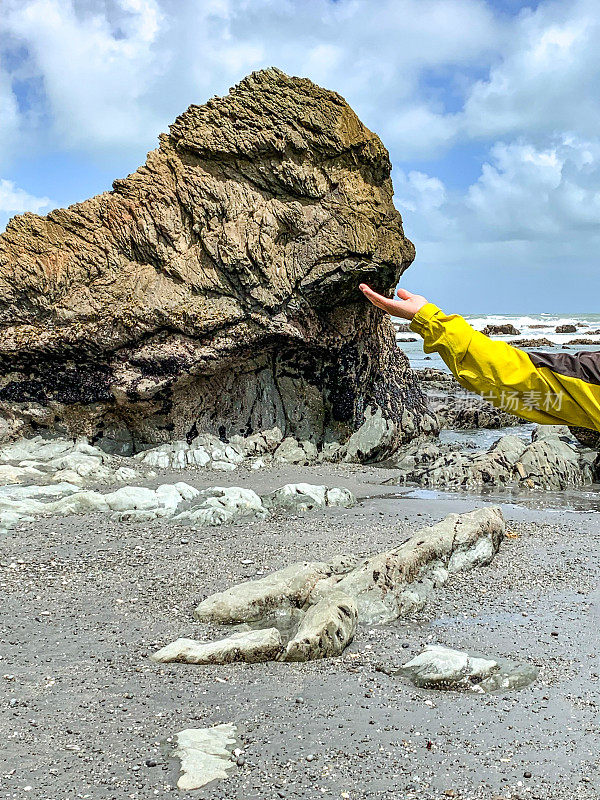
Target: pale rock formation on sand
{"x": 255, "y": 645}
{"x": 303, "y": 496}
{"x": 133, "y": 503}
{"x": 58, "y": 459}
{"x": 326, "y": 629}
{"x": 440, "y": 667}
{"x": 205, "y": 755}
{"x": 215, "y": 506}
{"x": 325, "y": 601}
{"x": 215, "y": 289}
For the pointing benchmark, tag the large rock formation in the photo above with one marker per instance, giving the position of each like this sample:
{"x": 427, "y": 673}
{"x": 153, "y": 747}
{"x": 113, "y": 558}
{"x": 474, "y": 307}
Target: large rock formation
{"x": 215, "y": 288}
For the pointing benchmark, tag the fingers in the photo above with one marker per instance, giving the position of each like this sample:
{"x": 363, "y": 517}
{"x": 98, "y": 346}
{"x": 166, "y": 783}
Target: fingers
{"x": 404, "y": 294}
{"x": 377, "y": 299}
{"x": 373, "y": 296}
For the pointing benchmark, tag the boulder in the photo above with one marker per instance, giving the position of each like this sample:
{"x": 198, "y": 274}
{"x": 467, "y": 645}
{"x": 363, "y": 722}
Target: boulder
{"x": 439, "y": 667}
{"x": 507, "y": 329}
{"x": 254, "y": 600}
{"x": 586, "y": 436}
{"x": 541, "y": 342}
{"x": 215, "y": 289}
{"x": 304, "y": 496}
{"x": 326, "y": 629}
{"x": 566, "y": 329}
{"x": 399, "y": 582}
{"x": 553, "y": 460}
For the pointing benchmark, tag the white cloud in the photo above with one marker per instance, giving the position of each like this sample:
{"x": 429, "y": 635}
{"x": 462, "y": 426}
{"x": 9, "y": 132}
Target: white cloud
{"x": 9, "y": 117}
{"x": 94, "y": 71}
{"x": 523, "y": 193}
{"x": 418, "y": 192}
{"x": 545, "y": 82}
{"x": 115, "y": 72}
{"x": 14, "y": 200}
{"x": 420, "y": 131}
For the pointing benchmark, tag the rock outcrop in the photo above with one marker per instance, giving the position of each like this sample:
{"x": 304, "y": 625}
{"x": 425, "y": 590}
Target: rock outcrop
{"x": 316, "y": 606}
{"x": 458, "y": 408}
{"x": 552, "y": 460}
{"x": 501, "y": 330}
{"x": 440, "y": 667}
{"x": 214, "y": 290}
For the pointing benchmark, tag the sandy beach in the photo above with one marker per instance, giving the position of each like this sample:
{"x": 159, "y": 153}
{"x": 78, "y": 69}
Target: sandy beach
{"x": 88, "y": 715}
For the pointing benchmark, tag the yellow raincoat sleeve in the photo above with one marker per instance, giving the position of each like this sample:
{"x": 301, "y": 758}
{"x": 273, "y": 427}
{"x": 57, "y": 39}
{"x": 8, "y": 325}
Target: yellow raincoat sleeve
{"x": 507, "y": 376}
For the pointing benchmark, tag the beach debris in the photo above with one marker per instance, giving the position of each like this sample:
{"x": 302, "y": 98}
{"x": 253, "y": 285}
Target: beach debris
{"x": 316, "y": 606}
{"x": 439, "y": 667}
{"x": 205, "y": 755}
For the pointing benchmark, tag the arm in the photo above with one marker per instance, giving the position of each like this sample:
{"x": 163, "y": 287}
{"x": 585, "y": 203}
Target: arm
{"x": 550, "y": 389}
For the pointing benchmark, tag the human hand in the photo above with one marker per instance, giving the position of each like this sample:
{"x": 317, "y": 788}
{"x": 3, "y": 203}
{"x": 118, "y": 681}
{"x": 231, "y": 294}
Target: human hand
{"x": 406, "y": 307}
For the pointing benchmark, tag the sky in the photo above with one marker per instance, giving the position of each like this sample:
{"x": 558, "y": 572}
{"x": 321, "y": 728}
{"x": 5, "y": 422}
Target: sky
{"x": 490, "y": 111}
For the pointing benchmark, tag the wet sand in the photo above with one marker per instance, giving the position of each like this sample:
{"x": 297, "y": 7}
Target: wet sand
{"x": 86, "y": 714}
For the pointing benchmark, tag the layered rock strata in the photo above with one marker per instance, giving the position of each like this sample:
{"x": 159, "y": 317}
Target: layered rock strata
{"x": 215, "y": 289}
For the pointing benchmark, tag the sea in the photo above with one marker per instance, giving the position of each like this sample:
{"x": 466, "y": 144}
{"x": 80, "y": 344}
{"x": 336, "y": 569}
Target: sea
{"x": 533, "y": 326}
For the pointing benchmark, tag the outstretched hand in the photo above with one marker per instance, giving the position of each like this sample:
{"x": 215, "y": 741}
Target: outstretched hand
{"x": 406, "y": 307}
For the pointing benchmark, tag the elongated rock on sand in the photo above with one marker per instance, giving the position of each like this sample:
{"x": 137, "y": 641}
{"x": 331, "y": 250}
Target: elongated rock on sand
{"x": 252, "y": 600}
{"x": 399, "y": 582}
{"x": 259, "y": 645}
{"x": 331, "y": 599}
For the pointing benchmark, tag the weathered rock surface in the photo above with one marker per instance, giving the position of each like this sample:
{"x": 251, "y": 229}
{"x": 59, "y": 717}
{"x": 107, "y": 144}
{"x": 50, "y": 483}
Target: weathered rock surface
{"x": 586, "y": 437}
{"x": 182, "y": 503}
{"x": 251, "y": 601}
{"x": 38, "y": 459}
{"x": 501, "y": 330}
{"x": 323, "y": 603}
{"x": 303, "y": 496}
{"x": 553, "y": 460}
{"x": 456, "y": 408}
{"x": 215, "y": 289}
{"x": 251, "y": 646}
{"x": 326, "y": 629}
{"x": 205, "y": 755}
{"x": 399, "y": 582}
{"x": 543, "y": 342}
{"x": 440, "y": 667}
